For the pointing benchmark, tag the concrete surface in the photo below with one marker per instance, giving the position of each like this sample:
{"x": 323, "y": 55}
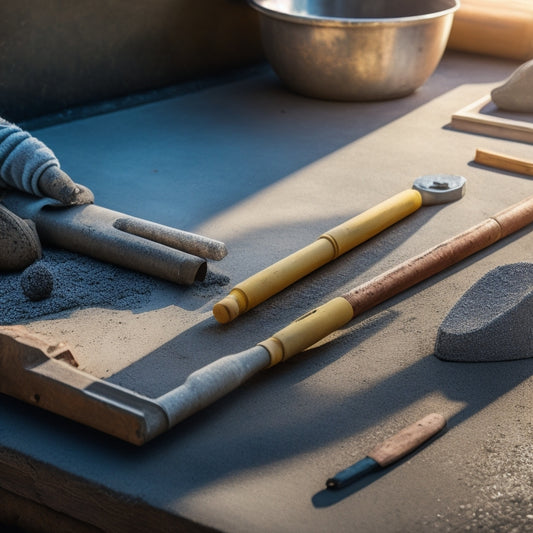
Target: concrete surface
{"x": 62, "y": 54}
{"x": 267, "y": 171}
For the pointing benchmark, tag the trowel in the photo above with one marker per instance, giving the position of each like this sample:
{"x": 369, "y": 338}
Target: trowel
{"x": 37, "y": 370}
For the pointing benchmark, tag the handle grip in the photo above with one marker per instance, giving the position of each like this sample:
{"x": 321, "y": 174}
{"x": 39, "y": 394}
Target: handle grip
{"x": 308, "y": 329}
{"x": 211, "y": 382}
{"x": 440, "y": 257}
{"x": 407, "y": 440}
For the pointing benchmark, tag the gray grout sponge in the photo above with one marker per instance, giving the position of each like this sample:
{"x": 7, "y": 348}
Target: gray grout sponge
{"x": 493, "y": 320}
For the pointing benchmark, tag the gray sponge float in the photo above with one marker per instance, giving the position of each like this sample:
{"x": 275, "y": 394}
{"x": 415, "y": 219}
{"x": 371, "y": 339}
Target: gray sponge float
{"x": 493, "y": 320}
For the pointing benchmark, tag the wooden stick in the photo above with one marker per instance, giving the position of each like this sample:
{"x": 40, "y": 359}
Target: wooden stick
{"x": 305, "y": 332}
{"x": 504, "y": 162}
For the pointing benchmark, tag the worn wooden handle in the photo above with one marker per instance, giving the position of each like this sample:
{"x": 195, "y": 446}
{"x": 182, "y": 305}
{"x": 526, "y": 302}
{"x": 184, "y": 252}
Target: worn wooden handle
{"x": 440, "y": 257}
{"x": 503, "y": 162}
{"x": 407, "y": 440}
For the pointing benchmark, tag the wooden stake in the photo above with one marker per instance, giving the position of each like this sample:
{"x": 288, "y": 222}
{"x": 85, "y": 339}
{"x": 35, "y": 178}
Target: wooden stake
{"x": 504, "y": 162}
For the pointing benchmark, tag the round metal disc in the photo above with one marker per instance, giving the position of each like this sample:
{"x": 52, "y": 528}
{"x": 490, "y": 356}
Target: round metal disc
{"x": 440, "y": 188}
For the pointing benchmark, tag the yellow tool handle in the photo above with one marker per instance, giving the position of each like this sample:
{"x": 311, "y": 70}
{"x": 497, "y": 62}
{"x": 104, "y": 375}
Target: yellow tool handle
{"x": 326, "y": 248}
{"x": 308, "y": 329}
{"x": 373, "y": 221}
{"x": 504, "y": 162}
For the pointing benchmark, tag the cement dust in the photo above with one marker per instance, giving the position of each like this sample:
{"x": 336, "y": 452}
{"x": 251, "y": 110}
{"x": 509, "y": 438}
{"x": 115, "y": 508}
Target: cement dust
{"x": 82, "y": 282}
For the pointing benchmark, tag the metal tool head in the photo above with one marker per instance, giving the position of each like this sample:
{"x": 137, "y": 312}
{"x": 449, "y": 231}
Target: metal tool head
{"x": 440, "y": 188}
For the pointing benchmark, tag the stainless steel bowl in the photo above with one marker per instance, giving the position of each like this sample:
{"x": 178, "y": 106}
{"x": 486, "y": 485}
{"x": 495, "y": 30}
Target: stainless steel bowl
{"x": 354, "y": 50}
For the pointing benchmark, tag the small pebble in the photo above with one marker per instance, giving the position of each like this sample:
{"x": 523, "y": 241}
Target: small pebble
{"x": 37, "y": 282}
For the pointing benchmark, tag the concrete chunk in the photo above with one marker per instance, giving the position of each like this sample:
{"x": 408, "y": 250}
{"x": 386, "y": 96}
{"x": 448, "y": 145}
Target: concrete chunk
{"x": 493, "y": 320}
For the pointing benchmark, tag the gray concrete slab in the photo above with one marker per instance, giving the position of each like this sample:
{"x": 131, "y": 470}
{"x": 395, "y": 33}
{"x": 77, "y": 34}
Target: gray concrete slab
{"x": 267, "y": 171}
{"x": 58, "y": 56}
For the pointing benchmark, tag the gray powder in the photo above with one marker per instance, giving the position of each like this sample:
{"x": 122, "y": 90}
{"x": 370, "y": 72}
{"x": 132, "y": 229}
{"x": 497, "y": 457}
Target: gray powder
{"x": 79, "y": 282}
{"x": 499, "y": 477}
{"x": 82, "y": 282}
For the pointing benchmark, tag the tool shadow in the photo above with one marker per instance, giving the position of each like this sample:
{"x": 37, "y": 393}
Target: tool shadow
{"x": 283, "y": 410}
{"x": 184, "y": 353}
{"x": 308, "y": 421}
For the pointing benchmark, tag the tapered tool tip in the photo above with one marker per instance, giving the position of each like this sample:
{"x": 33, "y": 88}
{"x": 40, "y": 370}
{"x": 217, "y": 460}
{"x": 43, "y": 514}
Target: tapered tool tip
{"x": 227, "y": 309}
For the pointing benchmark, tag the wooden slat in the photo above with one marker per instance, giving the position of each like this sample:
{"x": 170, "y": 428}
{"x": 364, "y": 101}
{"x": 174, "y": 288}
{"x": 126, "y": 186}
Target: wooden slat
{"x": 484, "y": 118}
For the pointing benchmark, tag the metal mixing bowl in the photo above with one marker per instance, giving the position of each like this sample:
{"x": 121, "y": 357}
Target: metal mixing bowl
{"x": 354, "y": 50}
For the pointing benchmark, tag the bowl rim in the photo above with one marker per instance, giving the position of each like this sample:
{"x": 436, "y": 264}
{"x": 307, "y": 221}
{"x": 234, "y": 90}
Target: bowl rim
{"x": 343, "y": 21}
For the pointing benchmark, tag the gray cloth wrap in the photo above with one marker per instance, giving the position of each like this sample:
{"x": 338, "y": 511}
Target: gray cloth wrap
{"x": 23, "y": 159}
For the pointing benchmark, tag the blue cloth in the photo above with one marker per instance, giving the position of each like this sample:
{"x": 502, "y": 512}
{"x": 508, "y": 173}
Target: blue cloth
{"x": 23, "y": 159}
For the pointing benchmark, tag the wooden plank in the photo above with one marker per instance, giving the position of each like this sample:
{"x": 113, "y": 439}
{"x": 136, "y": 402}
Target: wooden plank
{"x": 498, "y": 28}
{"x": 504, "y": 162}
{"x": 19, "y": 514}
{"x": 484, "y": 118}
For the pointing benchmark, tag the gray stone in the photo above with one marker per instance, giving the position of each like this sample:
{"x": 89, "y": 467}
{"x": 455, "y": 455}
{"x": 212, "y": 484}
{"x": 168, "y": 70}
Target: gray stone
{"x": 37, "y": 282}
{"x": 493, "y": 320}
{"x": 19, "y": 243}
{"x": 516, "y": 94}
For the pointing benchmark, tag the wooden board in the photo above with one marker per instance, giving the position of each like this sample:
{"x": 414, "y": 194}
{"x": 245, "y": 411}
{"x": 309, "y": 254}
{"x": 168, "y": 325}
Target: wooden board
{"x": 484, "y": 118}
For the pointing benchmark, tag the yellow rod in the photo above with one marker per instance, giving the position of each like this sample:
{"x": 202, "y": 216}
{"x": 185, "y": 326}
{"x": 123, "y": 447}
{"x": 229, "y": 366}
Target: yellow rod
{"x": 308, "y": 330}
{"x": 330, "y": 245}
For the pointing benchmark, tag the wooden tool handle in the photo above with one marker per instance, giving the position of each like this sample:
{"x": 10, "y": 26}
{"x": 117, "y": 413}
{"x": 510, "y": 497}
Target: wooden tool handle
{"x": 436, "y": 259}
{"x": 504, "y": 162}
{"x": 501, "y": 28}
{"x": 407, "y": 440}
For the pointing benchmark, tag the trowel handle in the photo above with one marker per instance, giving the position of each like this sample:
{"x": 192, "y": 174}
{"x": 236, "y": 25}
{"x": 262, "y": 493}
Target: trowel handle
{"x": 326, "y": 248}
{"x": 308, "y": 329}
{"x": 407, "y": 440}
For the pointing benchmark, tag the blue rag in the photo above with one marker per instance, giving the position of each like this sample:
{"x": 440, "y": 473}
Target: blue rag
{"x": 23, "y": 159}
